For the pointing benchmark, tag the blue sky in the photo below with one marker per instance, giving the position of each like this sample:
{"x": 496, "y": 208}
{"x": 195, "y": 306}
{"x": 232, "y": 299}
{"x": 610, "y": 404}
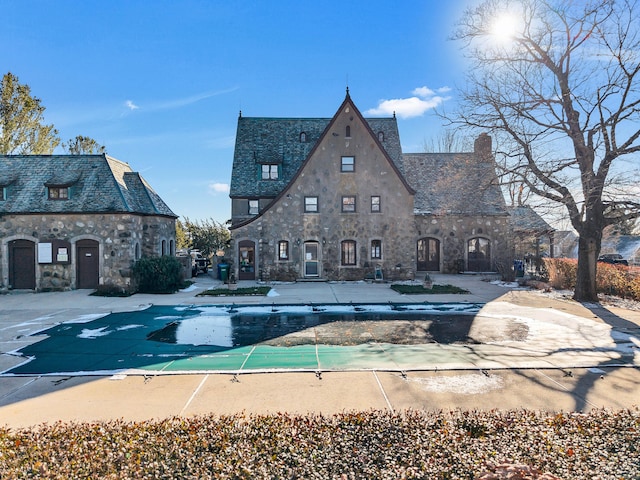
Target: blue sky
{"x": 161, "y": 83}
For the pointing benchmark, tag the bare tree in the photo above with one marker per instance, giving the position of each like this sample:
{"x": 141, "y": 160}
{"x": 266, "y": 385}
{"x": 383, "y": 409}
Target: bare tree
{"x": 447, "y": 141}
{"x": 560, "y": 93}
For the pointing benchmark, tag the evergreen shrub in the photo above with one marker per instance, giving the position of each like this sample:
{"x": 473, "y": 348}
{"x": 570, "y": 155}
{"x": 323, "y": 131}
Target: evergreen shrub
{"x": 158, "y": 274}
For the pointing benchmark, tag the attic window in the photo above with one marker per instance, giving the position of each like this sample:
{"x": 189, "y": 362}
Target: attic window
{"x": 58, "y": 193}
{"x": 348, "y": 132}
{"x": 348, "y": 164}
{"x": 303, "y": 137}
{"x": 381, "y": 136}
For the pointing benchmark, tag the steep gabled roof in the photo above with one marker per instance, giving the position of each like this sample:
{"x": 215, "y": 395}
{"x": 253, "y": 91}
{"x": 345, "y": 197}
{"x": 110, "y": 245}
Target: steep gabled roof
{"x": 97, "y": 184}
{"x": 453, "y": 183}
{"x": 277, "y": 141}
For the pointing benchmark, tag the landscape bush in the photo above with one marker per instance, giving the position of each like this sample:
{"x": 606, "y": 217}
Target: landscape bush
{"x": 618, "y": 280}
{"x": 518, "y": 444}
{"x": 158, "y": 274}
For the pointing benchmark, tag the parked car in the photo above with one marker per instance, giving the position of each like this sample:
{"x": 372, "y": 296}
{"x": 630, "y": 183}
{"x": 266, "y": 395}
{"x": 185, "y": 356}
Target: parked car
{"x": 613, "y": 258}
{"x": 199, "y": 263}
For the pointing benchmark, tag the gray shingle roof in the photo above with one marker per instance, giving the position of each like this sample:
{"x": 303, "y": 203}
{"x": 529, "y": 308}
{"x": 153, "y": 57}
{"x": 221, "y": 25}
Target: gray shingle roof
{"x": 97, "y": 184}
{"x": 277, "y": 141}
{"x": 524, "y": 219}
{"x": 453, "y": 183}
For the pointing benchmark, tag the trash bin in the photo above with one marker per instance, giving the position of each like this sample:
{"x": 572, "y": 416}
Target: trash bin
{"x": 223, "y": 271}
{"x": 518, "y": 267}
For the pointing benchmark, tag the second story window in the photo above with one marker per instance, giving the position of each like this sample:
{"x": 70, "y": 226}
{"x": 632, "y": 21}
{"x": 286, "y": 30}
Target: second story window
{"x": 253, "y": 207}
{"x": 349, "y": 204}
{"x": 311, "y": 204}
{"x": 375, "y": 204}
{"x": 348, "y": 164}
{"x": 58, "y": 193}
{"x": 269, "y": 172}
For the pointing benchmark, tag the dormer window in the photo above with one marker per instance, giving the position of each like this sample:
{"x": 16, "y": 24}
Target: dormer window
{"x": 58, "y": 193}
{"x": 3, "y": 193}
{"x": 381, "y": 136}
{"x": 303, "y": 137}
{"x": 269, "y": 172}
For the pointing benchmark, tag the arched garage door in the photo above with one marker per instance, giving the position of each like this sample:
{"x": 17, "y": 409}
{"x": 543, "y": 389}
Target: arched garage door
{"x": 87, "y": 264}
{"x": 22, "y": 264}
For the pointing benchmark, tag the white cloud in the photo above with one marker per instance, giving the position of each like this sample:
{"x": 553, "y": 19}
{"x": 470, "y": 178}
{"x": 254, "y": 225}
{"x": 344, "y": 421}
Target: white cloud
{"x": 216, "y": 188}
{"x": 423, "y": 99}
{"x": 130, "y": 105}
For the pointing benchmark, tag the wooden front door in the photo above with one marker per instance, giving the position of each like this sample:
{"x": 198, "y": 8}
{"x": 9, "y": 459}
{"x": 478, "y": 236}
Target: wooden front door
{"x": 87, "y": 264}
{"x": 22, "y": 264}
{"x": 428, "y": 255}
{"x": 246, "y": 260}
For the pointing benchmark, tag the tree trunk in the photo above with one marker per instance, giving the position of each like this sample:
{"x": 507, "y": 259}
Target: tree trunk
{"x": 588, "y": 250}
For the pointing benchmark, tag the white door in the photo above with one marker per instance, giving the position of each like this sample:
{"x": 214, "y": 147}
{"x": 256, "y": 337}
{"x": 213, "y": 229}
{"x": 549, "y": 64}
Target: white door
{"x": 311, "y": 263}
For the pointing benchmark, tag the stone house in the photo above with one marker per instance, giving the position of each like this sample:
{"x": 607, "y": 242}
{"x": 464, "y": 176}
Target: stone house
{"x": 77, "y": 221}
{"x": 336, "y": 199}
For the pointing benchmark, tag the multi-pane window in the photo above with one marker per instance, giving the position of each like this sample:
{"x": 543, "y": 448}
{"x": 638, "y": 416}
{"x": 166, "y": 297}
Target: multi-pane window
{"x": 348, "y": 164}
{"x": 375, "y": 204}
{"x": 376, "y": 249}
{"x": 283, "y": 250}
{"x": 253, "y": 207}
{"x": 269, "y": 172}
{"x": 311, "y": 204}
{"x": 349, "y": 204}
{"x": 348, "y": 252}
{"x": 58, "y": 193}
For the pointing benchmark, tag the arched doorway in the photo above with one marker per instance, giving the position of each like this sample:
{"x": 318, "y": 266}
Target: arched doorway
{"x": 87, "y": 264}
{"x": 478, "y": 255}
{"x": 428, "y": 255}
{"x": 246, "y": 260}
{"x": 22, "y": 264}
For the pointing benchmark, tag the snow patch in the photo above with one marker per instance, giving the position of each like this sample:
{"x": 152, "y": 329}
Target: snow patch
{"x": 470, "y": 384}
{"x": 95, "y": 333}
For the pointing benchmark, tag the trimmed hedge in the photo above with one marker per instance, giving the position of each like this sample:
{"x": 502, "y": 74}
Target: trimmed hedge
{"x": 618, "y": 280}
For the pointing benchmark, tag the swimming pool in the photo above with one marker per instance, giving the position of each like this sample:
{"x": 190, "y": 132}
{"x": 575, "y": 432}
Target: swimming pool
{"x": 231, "y": 338}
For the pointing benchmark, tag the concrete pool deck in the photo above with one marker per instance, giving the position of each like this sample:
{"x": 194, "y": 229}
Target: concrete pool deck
{"x": 589, "y": 360}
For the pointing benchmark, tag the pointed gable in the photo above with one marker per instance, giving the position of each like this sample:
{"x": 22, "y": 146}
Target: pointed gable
{"x": 287, "y": 143}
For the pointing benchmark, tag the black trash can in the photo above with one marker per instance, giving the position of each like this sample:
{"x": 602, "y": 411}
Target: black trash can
{"x": 223, "y": 271}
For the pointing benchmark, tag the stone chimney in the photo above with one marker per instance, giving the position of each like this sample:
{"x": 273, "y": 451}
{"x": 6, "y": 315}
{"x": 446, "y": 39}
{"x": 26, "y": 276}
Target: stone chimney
{"x": 482, "y": 148}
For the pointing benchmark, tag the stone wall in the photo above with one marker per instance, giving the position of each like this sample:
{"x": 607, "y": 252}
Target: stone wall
{"x": 454, "y": 231}
{"x": 121, "y": 237}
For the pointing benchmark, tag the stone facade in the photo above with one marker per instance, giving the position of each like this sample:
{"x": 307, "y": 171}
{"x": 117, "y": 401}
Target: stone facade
{"x": 121, "y": 239}
{"x": 432, "y": 212}
{"x": 77, "y": 221}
